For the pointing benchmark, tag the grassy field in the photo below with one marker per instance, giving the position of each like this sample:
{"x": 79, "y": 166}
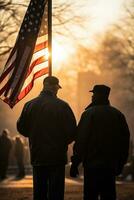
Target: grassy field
{"x": 72, "y": 192}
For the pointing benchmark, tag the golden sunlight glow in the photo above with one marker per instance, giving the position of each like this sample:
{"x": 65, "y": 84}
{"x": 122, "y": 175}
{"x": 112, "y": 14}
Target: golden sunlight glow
{"x": 105, "y": 12}
{"x": 59, "y": 53}
{"x": 47, "y": 53}
{"x": 102, "y": 14}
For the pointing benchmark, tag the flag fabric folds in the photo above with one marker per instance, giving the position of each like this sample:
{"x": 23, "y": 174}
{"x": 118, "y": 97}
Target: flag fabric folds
{"x": 28, "y": 59}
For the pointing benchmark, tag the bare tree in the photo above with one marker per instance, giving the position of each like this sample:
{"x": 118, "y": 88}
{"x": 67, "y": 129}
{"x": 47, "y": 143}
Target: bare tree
{"x": 115, "y": 58}
{"x": 10, "y": 19}
{"x": 117, "y": 48}
{"x": 11, "y": 15}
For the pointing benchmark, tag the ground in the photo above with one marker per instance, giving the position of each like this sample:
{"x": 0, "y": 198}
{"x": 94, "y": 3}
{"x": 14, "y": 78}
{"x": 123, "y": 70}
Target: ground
{"x": 22, "y": 189}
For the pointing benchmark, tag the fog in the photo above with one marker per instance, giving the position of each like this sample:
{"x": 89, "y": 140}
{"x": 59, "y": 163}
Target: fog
{"x": 75, "y": 90}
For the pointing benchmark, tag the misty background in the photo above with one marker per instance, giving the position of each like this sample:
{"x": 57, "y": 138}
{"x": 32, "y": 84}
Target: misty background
{"x": 94, "y": 56}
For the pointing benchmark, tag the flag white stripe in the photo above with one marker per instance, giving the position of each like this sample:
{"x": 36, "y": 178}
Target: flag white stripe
{"x": 42, "y": 39}
{"x": 36, "y": 69}
{"x": 20, "y": 67}
{"x": 10, "y": 61}
{"x": 16, "y": 71}
{"x": 6, "y": 79}
{"x": 43, "y": 52}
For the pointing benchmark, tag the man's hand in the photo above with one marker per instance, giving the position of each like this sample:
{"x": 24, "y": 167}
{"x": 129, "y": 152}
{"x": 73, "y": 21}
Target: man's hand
{"x": 74, "y": 173}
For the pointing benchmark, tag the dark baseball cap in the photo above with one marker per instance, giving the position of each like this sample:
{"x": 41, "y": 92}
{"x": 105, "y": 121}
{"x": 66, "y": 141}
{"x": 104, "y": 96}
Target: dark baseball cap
{"x": 51, "y": 80}
{"x": 101, "y": 89}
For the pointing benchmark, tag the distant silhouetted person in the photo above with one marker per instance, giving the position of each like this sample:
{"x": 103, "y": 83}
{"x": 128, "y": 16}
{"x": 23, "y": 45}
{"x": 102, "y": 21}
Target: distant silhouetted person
{"x": 50, "y": 125}
{"x": 19, "y": 155}
{"x": 102, "y": 144}
{"x": 128, "y": 171}
{"x": 5, "y": 147}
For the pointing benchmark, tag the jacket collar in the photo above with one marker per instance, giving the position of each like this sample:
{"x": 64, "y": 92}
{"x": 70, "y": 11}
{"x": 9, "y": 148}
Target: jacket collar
{"x": 98, "y": 104}
{"x": 47, "y": 93}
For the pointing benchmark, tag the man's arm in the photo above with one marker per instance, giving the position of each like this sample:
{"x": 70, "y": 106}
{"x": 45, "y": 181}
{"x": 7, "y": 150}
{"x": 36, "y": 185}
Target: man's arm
{"x": 69, "y": 124}
{"x": 83, "y": 135}
{"x": 80, "y": 145}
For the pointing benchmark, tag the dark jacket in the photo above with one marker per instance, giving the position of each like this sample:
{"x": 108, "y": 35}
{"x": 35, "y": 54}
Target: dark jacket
{"x": 19, "y": 150}
{"x": 5, "y": 147}
{"x": 50, "y": 125}
{"x": 103, "y": 138}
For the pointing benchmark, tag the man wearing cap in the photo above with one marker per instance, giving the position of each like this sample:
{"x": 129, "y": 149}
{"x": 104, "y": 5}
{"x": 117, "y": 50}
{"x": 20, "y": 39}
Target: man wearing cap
{"x": 102, "y": 145}
{"x": 50, "y": 125}
{"x": 5, "y": 148}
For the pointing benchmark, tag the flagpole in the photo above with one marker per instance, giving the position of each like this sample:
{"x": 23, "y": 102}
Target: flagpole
{"x": 50, "y": 36}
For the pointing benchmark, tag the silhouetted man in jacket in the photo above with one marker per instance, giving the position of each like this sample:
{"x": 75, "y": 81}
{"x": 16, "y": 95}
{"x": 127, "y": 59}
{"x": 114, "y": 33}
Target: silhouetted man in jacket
{"x": 50, "y": 125}
{"x": 102, "y": 145}
{"x": 5, "y": 147}
{"x": 19, "y": 155}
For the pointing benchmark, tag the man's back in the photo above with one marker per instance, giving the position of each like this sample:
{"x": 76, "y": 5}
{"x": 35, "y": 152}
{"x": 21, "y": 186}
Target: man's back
{"x": 107, "y": 135}
{"x": 102, "y": 144}
{"x": 50, "y": 125}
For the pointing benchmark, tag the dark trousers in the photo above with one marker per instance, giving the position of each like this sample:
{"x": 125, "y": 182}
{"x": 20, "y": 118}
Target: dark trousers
{"x": 99, "y": 184}
{"x": 21, "y": 169}
{"x": 3, "y": 168}
{"x": 48, "y": 182}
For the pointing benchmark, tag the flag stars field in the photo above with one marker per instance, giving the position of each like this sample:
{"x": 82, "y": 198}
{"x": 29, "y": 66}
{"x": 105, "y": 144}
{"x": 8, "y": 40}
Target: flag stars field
{"x": 26, "y": 62}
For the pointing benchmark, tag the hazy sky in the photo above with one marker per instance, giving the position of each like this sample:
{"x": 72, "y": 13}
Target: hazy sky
{"x": 104, "y": 12}
{"x": 99, "y": 15}
{"x": 101, "y": 12}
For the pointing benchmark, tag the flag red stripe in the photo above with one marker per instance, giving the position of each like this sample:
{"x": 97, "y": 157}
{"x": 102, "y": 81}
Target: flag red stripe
{"x": 26, "y": 90}
{"x": 28, "y": 87}
{"x": 12, "y": 53}
{"x": 27, "y": 60}
{"x": 41, "y": 73}
{"x": 4, "y": 88}
{"x": 40, "y": 46}
{"x": 36, "y": 62}
{"x": 6, "y": 72}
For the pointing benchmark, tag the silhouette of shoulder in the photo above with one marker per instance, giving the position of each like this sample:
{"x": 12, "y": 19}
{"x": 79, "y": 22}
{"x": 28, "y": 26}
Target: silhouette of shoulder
{"x": 62, "y": 102}
{"x": 102, "y": 108}
{"x": 55, "y": 101}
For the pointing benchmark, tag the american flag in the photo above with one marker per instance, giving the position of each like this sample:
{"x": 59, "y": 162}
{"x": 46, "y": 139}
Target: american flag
{"x": 28, "y": 59}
